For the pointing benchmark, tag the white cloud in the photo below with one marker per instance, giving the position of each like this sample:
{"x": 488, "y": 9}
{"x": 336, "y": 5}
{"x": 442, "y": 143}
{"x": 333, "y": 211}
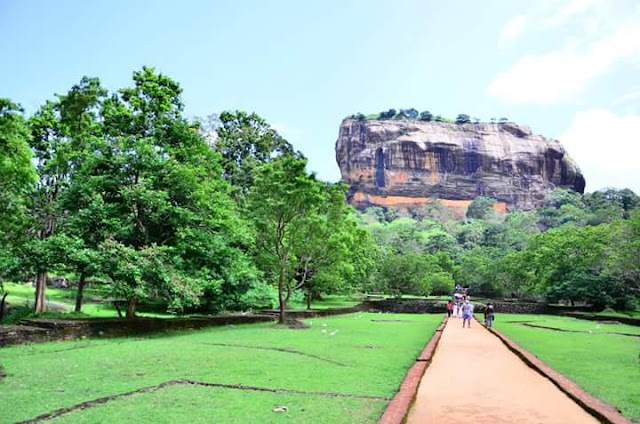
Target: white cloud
{"x": 591, "y": 37}
{"x": 606, "y": 148}
{"x": 512, "y": 30}
{"x": 567, "y": 12}
{"x": 557, "y": 75}
{"x": 629, "y": 97}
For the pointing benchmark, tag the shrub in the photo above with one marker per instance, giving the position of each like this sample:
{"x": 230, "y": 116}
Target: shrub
{"x": 390, "y": 114}
{"x": 426, "y": 116}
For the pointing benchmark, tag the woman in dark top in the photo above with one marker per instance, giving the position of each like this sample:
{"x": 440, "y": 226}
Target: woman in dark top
{"x": 489, "y": 315}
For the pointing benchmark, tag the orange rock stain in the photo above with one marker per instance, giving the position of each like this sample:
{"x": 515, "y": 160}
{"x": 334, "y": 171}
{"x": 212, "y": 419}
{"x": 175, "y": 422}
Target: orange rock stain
{"x": 405, "y": 202}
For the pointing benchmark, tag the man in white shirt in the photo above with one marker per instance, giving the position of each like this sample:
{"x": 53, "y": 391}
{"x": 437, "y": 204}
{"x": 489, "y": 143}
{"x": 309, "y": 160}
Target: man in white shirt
{"x": 467, "y": 313}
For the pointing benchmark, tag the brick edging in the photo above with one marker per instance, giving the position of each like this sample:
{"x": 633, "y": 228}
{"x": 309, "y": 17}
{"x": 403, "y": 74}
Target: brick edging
{"x": 397, "y": 410}
{"x": 604, "y": 412}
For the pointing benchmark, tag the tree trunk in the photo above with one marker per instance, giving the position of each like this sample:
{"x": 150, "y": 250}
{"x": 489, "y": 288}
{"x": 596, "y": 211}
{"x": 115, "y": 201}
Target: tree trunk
{"x": 131, "y": 308}
{"x": 41, "y": 287}
{"x": 81, "y": 284}
{"x": 2, "y": 305}
{"x": 308, "y": 298}
{"x": 281, "y": 299}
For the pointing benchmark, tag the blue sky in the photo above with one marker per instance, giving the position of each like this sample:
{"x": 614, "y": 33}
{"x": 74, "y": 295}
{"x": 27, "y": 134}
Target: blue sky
{"x": 567, "y": 68}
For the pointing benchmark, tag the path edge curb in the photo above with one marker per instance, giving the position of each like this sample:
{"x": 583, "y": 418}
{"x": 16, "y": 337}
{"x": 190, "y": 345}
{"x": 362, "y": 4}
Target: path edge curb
{"x": 397, "y": 410}
{"x": 601, "y": 410}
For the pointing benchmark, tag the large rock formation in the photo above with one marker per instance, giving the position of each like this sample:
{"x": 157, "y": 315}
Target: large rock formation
{"x": 406, "y": 163}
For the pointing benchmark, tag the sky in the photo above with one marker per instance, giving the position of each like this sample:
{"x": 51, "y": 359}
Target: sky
{"x": 567, "y": 68}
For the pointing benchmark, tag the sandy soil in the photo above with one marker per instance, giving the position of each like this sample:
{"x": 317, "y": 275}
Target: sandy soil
{"x": 475, "y": 379}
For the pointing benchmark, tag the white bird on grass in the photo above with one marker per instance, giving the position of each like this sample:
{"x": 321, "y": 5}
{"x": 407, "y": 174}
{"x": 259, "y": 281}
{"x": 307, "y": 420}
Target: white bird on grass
{"x": 333, "y": 333}
{"x": 324, "y": 331}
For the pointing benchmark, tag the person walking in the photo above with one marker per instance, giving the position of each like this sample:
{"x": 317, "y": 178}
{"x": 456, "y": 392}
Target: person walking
{"x": 489, "y": 315}
{"x": 467, "y": 313}
{"x": 450, "y": 308}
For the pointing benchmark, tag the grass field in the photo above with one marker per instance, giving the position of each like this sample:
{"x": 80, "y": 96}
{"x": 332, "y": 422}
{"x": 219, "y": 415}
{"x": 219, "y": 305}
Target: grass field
{"x": 367, "y": 357}
{"x": 605, "y": 364}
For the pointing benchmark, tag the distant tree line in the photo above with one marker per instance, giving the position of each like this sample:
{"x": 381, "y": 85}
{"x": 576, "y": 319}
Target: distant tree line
{"x": 426, "y": 116}
{"x": 574, "y": 249}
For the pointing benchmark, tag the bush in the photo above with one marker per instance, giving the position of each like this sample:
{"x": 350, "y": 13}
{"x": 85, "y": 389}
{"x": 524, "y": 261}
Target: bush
{"x": 359, "y": 116}
{"x": 426, "y": 116}
{"x": 441, "y": 283}
{"x": 463, "y": 119}
{"x": 390, "y": 114}
{"x": 261, "y": 296}
{"x": 17, "y": 313}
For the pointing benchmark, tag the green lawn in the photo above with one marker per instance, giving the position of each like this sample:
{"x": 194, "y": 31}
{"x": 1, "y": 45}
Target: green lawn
{"x": 327, "y": 302}
{"x": 369, "y": 355}
{"x": 606, "y": 365}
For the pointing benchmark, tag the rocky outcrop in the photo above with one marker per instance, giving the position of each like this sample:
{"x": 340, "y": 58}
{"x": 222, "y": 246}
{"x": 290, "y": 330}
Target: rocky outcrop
{"x": 407, "y": 163}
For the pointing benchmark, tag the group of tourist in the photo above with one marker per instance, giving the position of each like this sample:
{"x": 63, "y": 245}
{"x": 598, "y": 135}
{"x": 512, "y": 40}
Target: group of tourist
{"x": 458, "y": 308}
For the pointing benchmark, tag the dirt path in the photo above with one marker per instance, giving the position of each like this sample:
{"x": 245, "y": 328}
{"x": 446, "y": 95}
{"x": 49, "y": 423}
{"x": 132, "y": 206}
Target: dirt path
{"x": 474, "y": 378}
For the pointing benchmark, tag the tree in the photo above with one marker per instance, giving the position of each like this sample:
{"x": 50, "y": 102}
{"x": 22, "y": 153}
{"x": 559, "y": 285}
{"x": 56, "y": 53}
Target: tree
{"x": 390, "y": 114}
{"x": 282, "y": 203}
{"x": 327, "y": 238}
{"x": 408, "y": 113}
{"x": 609, "y": 204}
{"x": 622, "y": 264}
{"x": 481, "y": 207}
{"x": 152, "y": 194}
{"x": 17, "y": 181}
{"x": 562, "y": 207}
{"x": 61, "y": 131}
{"x": 17, "y": 174}
{"x": 426, "y": 116}
{"x": 568, "y": 256}
{"x": 463, "y": 119}
{"x": 408, "y": 273}
{"x": 246, "y": 141}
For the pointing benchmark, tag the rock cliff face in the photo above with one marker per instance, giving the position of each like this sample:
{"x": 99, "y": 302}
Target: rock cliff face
{"x": 405, "y": 164}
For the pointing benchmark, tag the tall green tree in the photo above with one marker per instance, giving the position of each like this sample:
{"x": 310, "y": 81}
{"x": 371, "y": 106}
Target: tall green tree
{"x": 17, "y": 174}
{"x": 17, "y": 182}
{"x": 409, "y": 273}
{"x": 246, "y": 141}
{"x": 327, "y": 254}
{"x": 152, "y": 192}
{"x": 60, "y": 132}
{"x": 282, "y": 203}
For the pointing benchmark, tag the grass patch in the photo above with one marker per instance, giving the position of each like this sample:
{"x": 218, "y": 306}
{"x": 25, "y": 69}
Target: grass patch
{"x": 327, "y": 302}
{"x": 605, "y": 365}
{"x": 369, "y": 358}
{"x": 197, "y": 404}
{"x": 624, "y": 314}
